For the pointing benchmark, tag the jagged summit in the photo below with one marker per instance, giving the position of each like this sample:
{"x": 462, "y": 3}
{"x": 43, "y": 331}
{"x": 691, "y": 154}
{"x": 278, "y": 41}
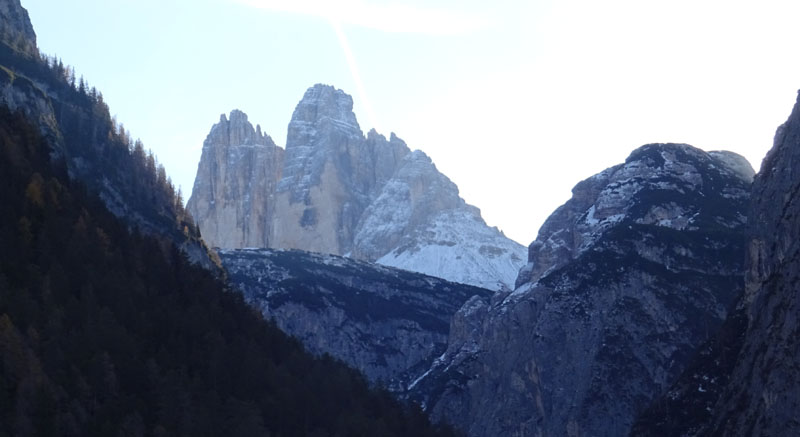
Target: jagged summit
{"x": 236, "y": 130}
{"x": 322, "y": 105}
{"x": 322, "y": 126}
{"x": 337, "y": 191}
{"x": 233, "y": 207}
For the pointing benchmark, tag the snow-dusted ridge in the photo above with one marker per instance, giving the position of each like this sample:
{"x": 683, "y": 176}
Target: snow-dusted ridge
{"x": 624, "y": 281}
{"x": 386, "y": 322}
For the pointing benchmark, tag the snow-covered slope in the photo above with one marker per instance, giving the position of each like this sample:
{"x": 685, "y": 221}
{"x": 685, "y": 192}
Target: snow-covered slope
{"x": 459, "y": 247}
{"x": 427, "y": 228}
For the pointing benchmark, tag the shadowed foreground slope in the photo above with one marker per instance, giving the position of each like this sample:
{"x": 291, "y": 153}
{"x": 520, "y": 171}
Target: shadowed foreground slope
{"x": 104, "y": 332}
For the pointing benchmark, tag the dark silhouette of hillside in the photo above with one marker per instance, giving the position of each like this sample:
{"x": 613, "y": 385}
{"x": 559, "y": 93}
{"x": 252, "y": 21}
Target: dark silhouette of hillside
{"x": 104, "y": 331}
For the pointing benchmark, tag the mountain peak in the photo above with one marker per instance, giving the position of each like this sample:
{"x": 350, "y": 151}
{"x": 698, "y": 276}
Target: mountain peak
{"x": 641, "y": 262}
{"x": 679, "y": 175}
{"x": 238, "y": 169}
{"x": 238, "y": 116}
{"x": 334, "y": 190}
{"x": 323, "y": 107}
{"x": 235, "y": 130}
{"x": 323, "y": 124}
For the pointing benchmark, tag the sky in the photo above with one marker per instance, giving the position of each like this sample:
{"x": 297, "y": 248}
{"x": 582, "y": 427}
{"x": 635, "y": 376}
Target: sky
{"x": 515, "y": 101}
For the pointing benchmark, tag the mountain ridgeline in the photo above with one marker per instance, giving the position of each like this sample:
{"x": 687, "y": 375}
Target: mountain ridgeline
{"x": 661, "y": 299}
{"x": 113, "y": 317}
{"x": 334, "y": 190}
{"x": 388, "y": 323}
{"x": 625, "y": 281}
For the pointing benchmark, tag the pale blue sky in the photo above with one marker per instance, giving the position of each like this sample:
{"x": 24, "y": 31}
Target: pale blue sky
{"x": 516, "y": 101}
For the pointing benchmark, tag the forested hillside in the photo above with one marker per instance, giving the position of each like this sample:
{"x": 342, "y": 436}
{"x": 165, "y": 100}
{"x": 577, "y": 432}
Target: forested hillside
{"x": 107, "y": 332}
{"x": 96, "y": 148}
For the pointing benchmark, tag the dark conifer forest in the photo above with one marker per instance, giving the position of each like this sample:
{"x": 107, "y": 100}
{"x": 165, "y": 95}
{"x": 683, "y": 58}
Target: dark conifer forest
{"x": 108, "y": 330}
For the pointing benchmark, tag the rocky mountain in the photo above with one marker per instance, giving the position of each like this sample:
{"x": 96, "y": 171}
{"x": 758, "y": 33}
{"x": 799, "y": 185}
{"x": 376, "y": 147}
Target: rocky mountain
{"x": 686, "y": 408}
{"x": 246, "y": 165}
{"x": 16, "y": 29}
{"x": 337, "y": 191}
{"x": 745, "y": 382}
{"x": 390, "y": 324}
{"x": 624, "y": 282}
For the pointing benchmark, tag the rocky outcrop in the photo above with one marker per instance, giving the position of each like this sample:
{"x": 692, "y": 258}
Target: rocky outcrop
{"x": 624, "y": 282}
{"x": 16, "y": 29}
{"x": 746, "y": 382}
{"x": 336, "y": 191}
{"x": 241, "y": 166}
{"x": 388, "y": 323}
{"x": 80, "y": 132}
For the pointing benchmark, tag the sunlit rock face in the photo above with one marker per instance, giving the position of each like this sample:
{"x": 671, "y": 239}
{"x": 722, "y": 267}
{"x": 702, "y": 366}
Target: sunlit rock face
{"x": 232, "y": 195}
{"x": 337, "y": 191}
{"x": 331, "y": 174}
{"x": 623, "y": 283}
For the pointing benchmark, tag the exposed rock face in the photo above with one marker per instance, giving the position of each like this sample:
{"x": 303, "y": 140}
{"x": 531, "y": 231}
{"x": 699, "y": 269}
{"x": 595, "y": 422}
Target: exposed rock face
{"x": 17, "y": 91}
{"x": 15, "y": 24}
{"x": 623, "y": 283}
{"x": 747, "y": 381}
{"x": 330, "y": 175}
{"x": 234, "y": 203}
{"x": 418, "y": 222}
{"x": 687, "y": 407}
{"x": 388, "y": 323}
{"x": 339, "y": 192}
{"x": 763, "y": 395}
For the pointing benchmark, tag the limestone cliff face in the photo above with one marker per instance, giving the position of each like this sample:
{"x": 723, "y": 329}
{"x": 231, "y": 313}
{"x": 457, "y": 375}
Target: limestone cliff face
{"x": 415, "y": 193}
{"x": 624, "y": 282}
{"x": 337, "y": 191}
{"x": 330, "y": 175}
{"x": 232, "y": 195}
